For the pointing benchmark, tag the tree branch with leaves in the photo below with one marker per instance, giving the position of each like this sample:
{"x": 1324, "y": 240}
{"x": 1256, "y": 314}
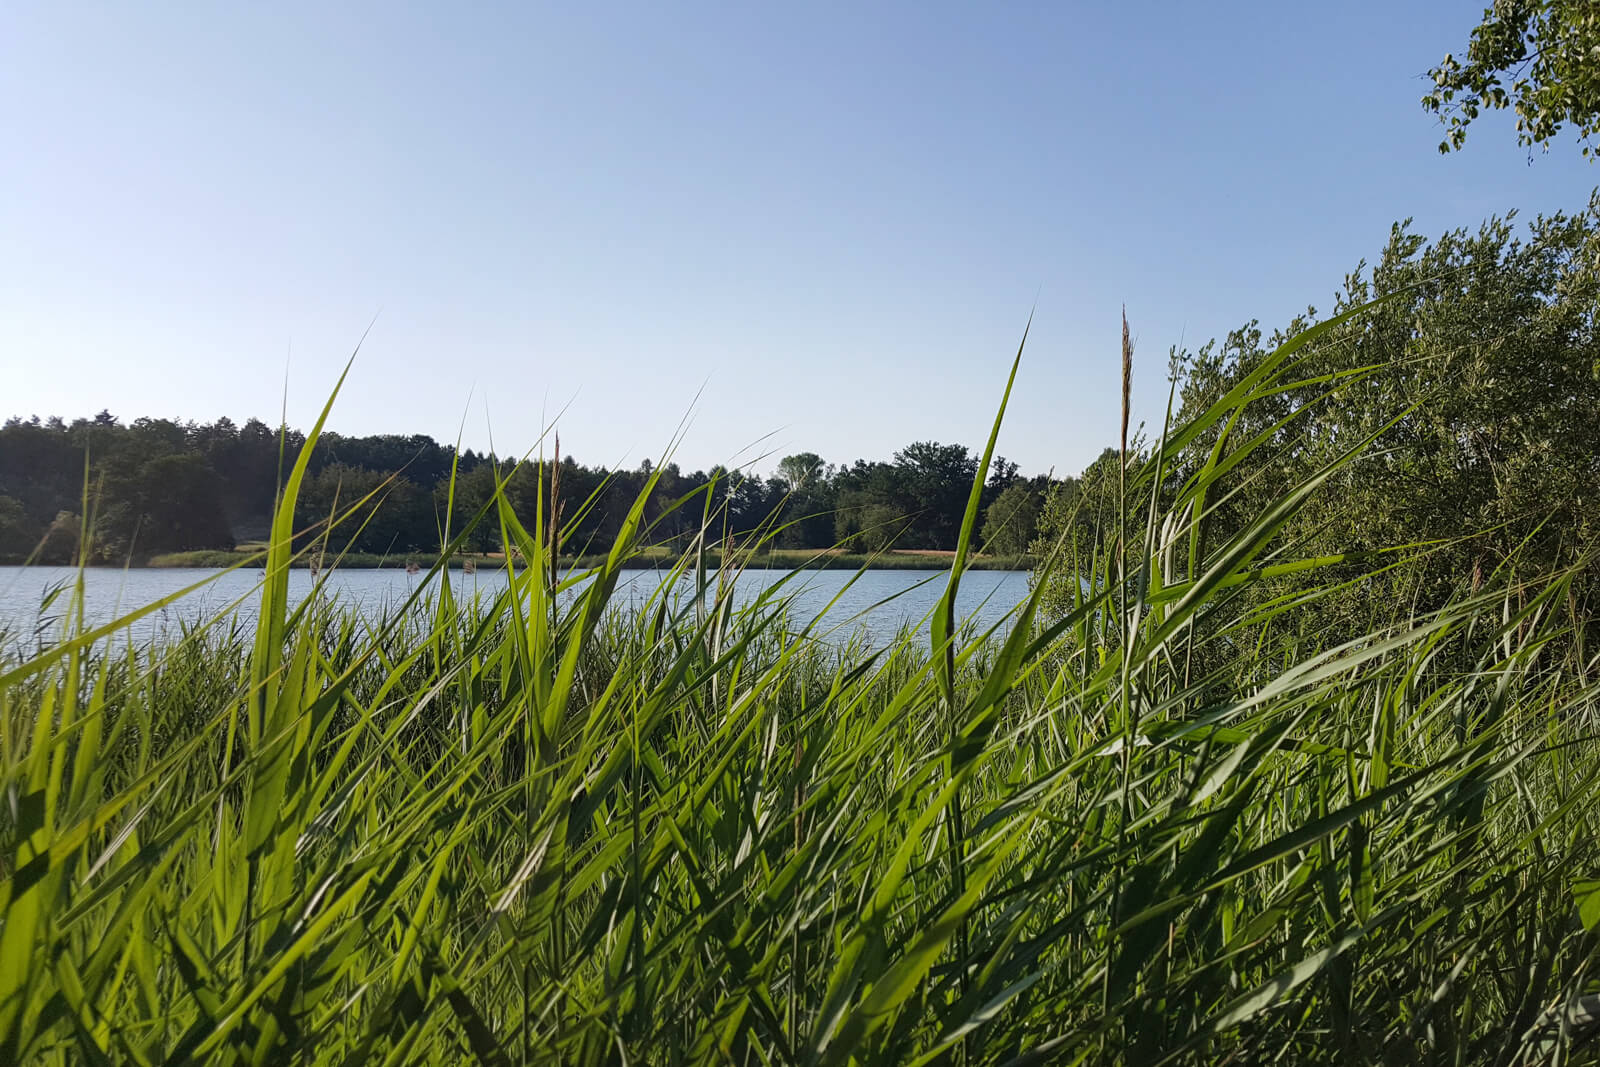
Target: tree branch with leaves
{"x": 1540, "y": 58}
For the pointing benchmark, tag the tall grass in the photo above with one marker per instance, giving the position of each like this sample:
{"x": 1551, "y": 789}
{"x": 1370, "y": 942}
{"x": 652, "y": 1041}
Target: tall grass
{"x": 530, "y": 829}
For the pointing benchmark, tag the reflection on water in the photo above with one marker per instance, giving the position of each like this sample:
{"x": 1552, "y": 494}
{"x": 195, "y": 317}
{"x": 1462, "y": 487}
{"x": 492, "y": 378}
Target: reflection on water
{"x": 877, "y": 602}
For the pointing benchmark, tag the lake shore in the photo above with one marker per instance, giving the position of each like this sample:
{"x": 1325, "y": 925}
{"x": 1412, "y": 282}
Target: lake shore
{"x": 648, "y": 559}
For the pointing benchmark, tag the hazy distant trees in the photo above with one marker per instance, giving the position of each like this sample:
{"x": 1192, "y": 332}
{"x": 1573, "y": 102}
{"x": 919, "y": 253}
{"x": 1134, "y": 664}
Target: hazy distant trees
{"x": 16, "y": 537}
{"x": 157, "y": 485}
{"x": 376, "y": 511}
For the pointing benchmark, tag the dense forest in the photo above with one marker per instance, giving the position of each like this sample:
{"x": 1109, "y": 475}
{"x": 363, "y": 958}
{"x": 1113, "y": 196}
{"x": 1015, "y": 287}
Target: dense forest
{"x": 157, "y": 486}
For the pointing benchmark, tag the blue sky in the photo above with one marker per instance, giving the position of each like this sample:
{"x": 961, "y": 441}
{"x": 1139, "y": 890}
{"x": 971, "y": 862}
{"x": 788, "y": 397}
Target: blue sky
{"x": 832, "y": 219}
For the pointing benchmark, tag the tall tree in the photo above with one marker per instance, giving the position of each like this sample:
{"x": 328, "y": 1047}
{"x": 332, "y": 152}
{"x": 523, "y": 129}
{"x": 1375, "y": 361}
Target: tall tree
{"x": 799, "y": 469}
{"x": 936, "y": 480}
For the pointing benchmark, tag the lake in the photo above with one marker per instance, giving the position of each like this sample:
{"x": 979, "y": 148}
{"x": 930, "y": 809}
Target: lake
{"x": 879, "y": 602}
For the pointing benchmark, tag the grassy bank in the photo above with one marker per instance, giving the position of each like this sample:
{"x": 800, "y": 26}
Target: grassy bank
{"x": 532, "y": 830}
{"x": 647, "y": 558}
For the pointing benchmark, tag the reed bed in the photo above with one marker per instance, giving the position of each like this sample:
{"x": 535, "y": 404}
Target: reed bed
{"x": 1144, "y": 828}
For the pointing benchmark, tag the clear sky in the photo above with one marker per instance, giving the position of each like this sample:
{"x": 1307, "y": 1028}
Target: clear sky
{"x": 834, "y": 218}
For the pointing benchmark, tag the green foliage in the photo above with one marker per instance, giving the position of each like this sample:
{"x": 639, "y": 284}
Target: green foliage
{"x": 1081, "y": 512}
{"x": 1548, "y": 50}
{"x": 160, "y": 488}
{"x": 61, "y": 540}
{"x": 934, "y": 481}
{"x": 167, "y": 503}
{"x": 537, "y": 827}
{"x": 1473, "y": 360}
{"x": 381, "y": 512}
{"x": 1009, "y": 522}
{"x": 863, "y": 525}
{"x": 800, "y": 469}
{"x": 18, "y": 536}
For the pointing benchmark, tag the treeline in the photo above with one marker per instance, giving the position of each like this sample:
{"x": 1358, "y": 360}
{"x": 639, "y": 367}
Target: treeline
{"x": 1477, "y": 370}
{"x": 157, "y": 486}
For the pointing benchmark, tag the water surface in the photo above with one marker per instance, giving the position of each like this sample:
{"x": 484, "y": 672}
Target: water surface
{"x": 878, "y": 602}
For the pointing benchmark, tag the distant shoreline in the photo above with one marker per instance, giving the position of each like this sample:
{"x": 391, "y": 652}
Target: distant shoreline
{"x": 649, "y": 559}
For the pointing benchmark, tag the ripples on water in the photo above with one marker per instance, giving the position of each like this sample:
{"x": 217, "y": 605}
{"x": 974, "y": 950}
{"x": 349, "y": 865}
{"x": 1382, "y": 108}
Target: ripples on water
{"x": 879, "y": 602}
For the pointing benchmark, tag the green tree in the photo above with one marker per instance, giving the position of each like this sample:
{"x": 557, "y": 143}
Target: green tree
{"x": 59, "y": 545}
{"x": 1009, "y": 522}
{"x": 800, "y": 469}
{"x": 18, "y": 535}
{"x": 864, "y": 525}
{"x": 473, "y": 489}
{"x": 180, "y": 500}
{"x": 935, "y": 481}
{"x": 1548, "y": 51}
{"x": 1478, "y": 379}
{"x": 397, "y": 518}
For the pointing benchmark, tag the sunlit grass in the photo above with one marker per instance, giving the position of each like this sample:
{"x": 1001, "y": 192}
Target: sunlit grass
{"x": 532, "y": 829}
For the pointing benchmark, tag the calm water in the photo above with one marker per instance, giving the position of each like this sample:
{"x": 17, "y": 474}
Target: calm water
{"x": 878, "y": 601}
